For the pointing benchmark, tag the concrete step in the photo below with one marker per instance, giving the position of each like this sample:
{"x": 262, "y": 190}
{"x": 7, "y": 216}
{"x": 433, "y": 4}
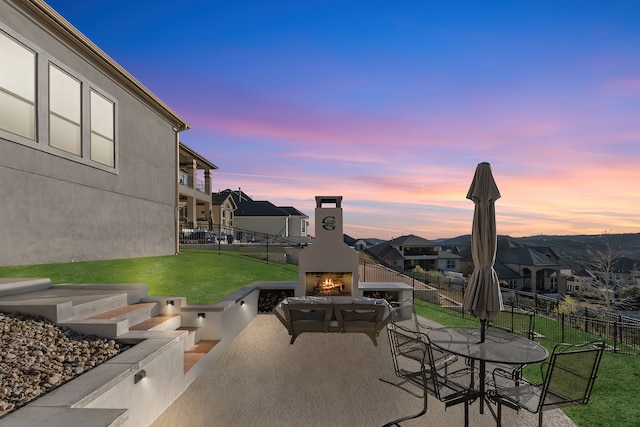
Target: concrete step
{"x": 90, "y": 308}
{"x": 194, "y": 335}
{"x": 135, "y": 313}
{"x": 194, "y": 354}
{"x": 161, "y": 322}
{"x": 115, "y": 322}
{"x": 10, "y": 286}
{"x": 63, "y": 304}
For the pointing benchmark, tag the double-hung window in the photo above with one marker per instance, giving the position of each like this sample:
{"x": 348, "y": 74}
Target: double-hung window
{"x": 102, "y": 128}
{"x": 48, "y": 106}
{"x": 17, "y": 88}
{"x": 65, "y": 111}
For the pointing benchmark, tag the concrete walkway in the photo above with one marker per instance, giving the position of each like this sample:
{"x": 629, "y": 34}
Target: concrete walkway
{"x": 321, "y": 380}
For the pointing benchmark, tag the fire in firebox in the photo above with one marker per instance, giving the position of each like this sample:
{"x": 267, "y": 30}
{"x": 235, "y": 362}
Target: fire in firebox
{"x": 329, "y": 287}
{"x": 324, "y": 283}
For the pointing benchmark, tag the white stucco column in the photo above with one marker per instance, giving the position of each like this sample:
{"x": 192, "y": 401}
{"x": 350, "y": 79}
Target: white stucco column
{"x": 207, "y": 181}
{"x": 191, "y": 173}
{"x": 192, "y": 214}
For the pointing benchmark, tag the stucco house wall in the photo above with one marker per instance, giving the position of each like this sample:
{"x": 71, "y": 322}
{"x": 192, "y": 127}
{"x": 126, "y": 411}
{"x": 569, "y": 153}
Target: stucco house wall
{"x": 295, "y": 226}
{"x": 60, "y": 207}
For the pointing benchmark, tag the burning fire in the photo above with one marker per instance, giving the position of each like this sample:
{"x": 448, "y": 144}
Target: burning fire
{"x": 329, "y": 287}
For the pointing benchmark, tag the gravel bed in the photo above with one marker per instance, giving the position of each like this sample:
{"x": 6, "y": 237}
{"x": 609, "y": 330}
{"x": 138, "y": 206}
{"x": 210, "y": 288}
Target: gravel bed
{"x": 37, "y": 356}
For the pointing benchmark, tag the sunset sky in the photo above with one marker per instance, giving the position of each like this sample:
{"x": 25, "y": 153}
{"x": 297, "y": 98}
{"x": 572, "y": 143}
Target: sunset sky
{"x": 391, "y": 104}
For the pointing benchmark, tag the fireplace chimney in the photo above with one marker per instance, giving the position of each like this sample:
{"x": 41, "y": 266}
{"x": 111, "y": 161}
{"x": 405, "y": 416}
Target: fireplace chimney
{"x": 328, "y": 257}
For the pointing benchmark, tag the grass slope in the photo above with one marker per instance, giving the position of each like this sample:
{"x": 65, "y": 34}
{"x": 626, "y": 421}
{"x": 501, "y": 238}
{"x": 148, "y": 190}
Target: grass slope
{"x": 204, "y": 277}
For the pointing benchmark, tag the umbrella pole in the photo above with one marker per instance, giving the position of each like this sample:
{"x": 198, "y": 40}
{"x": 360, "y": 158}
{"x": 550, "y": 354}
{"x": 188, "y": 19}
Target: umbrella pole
{"x": 483, "y": 327}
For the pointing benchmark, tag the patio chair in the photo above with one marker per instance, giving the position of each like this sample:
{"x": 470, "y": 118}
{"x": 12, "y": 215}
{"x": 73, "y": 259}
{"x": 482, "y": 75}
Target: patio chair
{"x": 417, "y": 364}
{"x": 400, "y": 311}
{"x": 304, "y": 317}
{"x": 368, "y": 319}
{"x": 568, "y": 379}
{"x": 520, "y": 322}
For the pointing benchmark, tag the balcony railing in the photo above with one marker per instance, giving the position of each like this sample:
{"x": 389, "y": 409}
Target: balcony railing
{"x": 183, "y": 179}
{"x": 200, "y": 185}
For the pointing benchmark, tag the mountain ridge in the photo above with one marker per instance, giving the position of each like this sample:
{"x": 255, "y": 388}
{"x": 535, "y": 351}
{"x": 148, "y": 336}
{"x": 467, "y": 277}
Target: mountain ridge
{"x": 572, "y": 246}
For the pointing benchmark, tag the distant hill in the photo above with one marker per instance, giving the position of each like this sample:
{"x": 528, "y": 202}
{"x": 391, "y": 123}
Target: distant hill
{"x": 574, "y": 247}
{"x": 461, "y": 241}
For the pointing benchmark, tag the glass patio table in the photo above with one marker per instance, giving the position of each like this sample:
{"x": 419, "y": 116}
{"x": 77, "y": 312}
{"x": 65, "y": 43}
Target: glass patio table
{"x": 498, "y": 347}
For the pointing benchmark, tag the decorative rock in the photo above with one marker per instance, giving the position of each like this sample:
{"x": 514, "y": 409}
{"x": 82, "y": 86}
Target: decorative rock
{"x": 37, "y": 356}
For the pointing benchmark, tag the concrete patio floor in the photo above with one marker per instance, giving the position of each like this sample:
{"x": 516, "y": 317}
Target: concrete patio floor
{"x": 321, "y": 380}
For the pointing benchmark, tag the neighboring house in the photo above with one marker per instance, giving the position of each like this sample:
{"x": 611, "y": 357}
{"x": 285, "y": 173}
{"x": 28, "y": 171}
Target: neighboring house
{"x": 407, "y": 252}
{"x": 526, "y": 268}
{"x": 194, "y": 188}
{"x": 363, "y": 244}
{"x": 253, "y": 219}
{"x": 623, "y": 273}
{"x": 88, "y": 155}
{"x": 348, "y": 240}
{"x": 448, "y": 261}
{"x": 223, "y": 207}
{"x": 298, "y": 222}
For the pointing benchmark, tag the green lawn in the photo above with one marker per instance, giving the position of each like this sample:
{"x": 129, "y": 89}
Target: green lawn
{"x": 615, "y": 393}
{"x": 204, "y": 277}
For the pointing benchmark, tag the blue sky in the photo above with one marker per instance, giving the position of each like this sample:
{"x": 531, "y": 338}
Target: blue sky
{"x": 391, "y": 104}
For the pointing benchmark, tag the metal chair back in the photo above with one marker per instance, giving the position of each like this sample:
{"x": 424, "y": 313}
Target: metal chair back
{"x": 418, "y": 363}
{"x": 568, "y": 380}
{"x": 571, "y": 374}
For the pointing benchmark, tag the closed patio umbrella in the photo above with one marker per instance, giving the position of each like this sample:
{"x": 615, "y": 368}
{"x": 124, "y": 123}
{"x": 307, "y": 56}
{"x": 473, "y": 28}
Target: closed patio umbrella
{"x": 482, "y": 297}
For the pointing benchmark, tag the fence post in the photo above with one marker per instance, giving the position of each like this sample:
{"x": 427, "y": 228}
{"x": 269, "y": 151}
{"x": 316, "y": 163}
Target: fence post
{"x": 464, "y": 288}
{"x": 562, "y": 327}
{"x": 615, "y": 335}
{"x": 512, "y": 320}
{"x": 586, "y": 320}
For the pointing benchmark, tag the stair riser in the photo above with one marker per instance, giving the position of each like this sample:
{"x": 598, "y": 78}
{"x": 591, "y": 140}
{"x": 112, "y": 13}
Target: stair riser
{"x": 83, "y": 311}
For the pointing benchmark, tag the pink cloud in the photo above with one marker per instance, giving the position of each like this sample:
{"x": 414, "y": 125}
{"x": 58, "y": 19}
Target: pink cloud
{"x": 626, "y": 86}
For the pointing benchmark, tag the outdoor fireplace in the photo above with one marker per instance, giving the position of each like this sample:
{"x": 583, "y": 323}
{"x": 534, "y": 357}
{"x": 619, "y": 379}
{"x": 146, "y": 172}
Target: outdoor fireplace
{"x": 328, "y": 266}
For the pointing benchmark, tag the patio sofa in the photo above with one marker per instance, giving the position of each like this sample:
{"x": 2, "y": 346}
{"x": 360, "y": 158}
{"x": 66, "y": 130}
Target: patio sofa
{"x": 333, "y": 314}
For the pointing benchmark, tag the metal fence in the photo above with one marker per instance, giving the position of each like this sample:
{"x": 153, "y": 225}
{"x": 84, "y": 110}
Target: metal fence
{"x": 553, "y": 320}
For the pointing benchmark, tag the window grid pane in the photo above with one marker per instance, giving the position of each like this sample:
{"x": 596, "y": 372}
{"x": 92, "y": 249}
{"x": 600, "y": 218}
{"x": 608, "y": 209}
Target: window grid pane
{"x": 18, "y": 71}
{"x": 17, "y": 116}
{"x": 17, "y": 88}
{"x": 101, "y": 115}
{"x": 64, "y": 135}
{"x": 64, "y": 95}
{"x": 102, "y": 150}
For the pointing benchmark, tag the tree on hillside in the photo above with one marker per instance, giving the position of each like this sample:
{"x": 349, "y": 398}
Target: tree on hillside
{"x": 609, "y": 277}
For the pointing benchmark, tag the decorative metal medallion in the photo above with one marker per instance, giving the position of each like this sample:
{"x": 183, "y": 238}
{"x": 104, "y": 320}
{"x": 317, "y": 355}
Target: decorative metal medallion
{"x": 329, "y": 223}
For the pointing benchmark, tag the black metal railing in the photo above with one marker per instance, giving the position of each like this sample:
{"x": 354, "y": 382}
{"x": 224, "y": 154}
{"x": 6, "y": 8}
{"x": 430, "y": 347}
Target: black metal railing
{"x": 553, "y": 320}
